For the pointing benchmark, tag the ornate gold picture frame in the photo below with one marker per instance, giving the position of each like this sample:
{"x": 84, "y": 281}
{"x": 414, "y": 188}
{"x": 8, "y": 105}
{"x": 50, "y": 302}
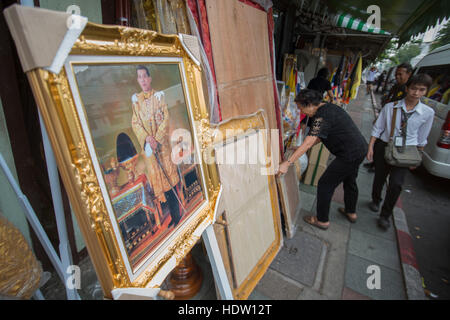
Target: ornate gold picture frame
{"x": 128, "y": 123}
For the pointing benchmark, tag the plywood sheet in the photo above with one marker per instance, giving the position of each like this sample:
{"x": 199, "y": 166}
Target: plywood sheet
{"x": 248, "y": 97}
{"x": 241, "y": 53}
{"x": 253, "y": 234}
{"x": 240, "y": 41}
{"x": 241, "y": 182}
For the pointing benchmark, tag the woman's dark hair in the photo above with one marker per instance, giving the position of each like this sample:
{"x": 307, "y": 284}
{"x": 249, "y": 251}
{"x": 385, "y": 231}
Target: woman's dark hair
{"x": 141, "y": 67}
{"x": 323, "y": 73}
{"x": 420, "y": 78}
{"x": 407, "y": 66}
{"x": 307, "y": 96}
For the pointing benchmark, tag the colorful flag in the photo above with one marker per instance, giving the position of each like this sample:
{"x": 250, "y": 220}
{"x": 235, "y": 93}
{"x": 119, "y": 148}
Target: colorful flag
{"x": 357, "y": 79}
{"x": 338, "y": 74}
{"x": 353, "y": 81}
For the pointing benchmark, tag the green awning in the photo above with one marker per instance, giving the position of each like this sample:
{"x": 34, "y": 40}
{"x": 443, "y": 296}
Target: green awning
{"x": 401, "y": 18}
{"x": 349, "y": 22}
{"x": 425, "y": 16}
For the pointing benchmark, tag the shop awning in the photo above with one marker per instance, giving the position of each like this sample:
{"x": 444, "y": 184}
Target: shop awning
{"x": 349, "y": 22}
{"x": 401, "y": 18}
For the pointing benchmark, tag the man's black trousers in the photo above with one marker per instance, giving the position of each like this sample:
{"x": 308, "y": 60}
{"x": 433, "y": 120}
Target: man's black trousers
{"x": 396, "y": 179}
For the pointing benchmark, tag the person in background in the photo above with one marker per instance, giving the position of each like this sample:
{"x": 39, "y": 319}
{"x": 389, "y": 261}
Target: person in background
{"x": 413, "y": 123}
{"x": 380, "y": 80}
{"x": 332, "y": 126}
{"x": 321, "y": 84}
{"x": 370, "y": 80}
{"x": 397, "y": 92}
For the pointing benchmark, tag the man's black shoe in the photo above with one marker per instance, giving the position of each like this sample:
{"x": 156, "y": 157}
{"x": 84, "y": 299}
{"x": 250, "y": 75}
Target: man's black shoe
{"x": 384, "y": 223}
{"x": 375, "y": 207}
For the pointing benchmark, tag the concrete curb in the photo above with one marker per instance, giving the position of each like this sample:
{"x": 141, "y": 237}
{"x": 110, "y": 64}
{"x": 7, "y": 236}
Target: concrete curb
{"x": 411, "y": 274}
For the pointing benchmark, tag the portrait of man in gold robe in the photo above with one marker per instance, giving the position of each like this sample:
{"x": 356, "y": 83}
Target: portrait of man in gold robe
{"x": 150, "y": 124}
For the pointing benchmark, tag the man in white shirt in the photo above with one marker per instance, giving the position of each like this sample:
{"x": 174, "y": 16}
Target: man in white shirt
{"x": 370, "y": 80}
{"x": 417, "y": 119}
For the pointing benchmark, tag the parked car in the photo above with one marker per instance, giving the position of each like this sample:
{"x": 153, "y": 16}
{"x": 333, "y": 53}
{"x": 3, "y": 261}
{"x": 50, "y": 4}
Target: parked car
{"x": 436, "y": 157}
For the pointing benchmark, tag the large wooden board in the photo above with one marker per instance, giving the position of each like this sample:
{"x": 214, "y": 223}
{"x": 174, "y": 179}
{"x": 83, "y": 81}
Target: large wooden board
{"x": 240, "y": 45}
{"x": 249, "y": 228}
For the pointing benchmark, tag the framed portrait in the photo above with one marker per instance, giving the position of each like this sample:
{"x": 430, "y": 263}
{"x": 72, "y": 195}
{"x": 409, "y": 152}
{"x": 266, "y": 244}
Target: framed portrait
{"x": 127, "y": 120}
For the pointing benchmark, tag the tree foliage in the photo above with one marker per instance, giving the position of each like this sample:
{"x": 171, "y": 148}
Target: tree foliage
{"x": 392, "y": 55}
{"x": 407, "y": 52}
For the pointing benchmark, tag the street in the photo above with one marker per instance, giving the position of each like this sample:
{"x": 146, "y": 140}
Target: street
{"x": 426, "y": 201}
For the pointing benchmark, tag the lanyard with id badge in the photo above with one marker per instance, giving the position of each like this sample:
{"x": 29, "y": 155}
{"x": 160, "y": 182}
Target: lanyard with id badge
{"x": 397, "y": 153}
{"x": 400, "y": 141}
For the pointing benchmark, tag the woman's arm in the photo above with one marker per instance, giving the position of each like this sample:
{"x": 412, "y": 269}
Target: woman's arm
{"x": 308, "y": 143}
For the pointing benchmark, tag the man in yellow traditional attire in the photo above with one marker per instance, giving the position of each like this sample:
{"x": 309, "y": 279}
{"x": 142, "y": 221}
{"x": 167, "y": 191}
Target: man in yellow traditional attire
{"x": 150, "y": 123}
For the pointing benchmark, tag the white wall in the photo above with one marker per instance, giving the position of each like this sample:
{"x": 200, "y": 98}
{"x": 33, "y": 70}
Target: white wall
{"x": 10, "y": 207}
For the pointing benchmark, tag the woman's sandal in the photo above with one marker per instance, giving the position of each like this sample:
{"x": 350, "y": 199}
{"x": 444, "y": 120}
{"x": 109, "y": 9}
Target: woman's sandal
{"x": 312, "y": 220}
{"x": 342, "y": 211}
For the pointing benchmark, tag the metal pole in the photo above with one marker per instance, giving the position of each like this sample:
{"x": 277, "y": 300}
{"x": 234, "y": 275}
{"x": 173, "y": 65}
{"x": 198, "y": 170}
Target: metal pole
{"x": 53, "y": 175}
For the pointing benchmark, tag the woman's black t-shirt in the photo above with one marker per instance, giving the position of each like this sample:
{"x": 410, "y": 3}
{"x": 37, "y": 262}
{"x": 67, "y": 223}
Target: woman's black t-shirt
{"x": 338, "y": 133}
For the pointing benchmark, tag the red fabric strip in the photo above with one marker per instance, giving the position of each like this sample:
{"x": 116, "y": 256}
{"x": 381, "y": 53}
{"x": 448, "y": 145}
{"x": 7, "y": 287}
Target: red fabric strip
{"x": 198, "y": 8}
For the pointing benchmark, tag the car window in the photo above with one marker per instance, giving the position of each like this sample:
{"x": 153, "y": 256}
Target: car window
{"x": 438, "y": 97}
{"x": 440, "y": 89}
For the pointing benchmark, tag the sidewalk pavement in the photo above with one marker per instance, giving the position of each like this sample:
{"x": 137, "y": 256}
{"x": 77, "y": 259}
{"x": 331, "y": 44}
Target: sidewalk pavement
{"x": 336, "y": 263}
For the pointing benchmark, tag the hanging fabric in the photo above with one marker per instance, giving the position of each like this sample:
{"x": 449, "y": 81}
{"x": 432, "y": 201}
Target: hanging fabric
{"x": 214, "y": 109}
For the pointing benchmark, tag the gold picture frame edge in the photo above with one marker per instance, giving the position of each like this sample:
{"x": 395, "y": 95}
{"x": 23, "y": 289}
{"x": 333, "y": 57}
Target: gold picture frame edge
{"x": 56, "y": 104}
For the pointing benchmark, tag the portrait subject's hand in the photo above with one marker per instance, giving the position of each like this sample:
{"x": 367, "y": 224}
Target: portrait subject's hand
{"x": 152, "y": 141}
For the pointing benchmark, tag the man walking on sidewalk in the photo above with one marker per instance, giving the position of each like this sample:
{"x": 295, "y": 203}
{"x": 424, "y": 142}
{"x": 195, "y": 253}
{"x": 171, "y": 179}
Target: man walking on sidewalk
{"x": 370, "y": 81}
{"x": 413, "y": 125}
{"x": 397, "y": 92}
